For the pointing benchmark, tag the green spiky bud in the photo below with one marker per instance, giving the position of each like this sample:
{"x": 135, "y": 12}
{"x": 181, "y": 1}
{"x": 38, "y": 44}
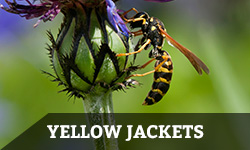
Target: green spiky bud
{"x": 84, "y": 53}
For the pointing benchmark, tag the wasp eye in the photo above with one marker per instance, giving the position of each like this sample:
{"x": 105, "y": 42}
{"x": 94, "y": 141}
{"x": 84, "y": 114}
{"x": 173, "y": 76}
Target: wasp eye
{"x": 137, "y": 23}
{"x": 142, "y": 15}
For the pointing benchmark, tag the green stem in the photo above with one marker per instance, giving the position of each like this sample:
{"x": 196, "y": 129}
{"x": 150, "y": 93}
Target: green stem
{"x": 98, "y": 107}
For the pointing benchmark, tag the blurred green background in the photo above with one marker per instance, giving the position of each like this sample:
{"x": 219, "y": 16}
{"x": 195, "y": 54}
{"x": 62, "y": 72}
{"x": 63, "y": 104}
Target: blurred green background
{"x": 218, "y": 32}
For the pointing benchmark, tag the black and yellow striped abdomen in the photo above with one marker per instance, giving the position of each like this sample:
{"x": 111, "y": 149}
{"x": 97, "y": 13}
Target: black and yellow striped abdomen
{"x": 162, "y": 79}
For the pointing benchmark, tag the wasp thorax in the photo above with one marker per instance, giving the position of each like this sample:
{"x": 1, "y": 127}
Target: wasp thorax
{"x": 84, "y": 52}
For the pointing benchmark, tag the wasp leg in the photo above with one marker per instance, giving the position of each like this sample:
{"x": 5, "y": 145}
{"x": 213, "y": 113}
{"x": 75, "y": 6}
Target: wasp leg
{"x": 139, "y": 43}
{"x": 128, "y": 83}
{"x": 131, "y": 53}
{"x": 136, "y": 33}
{"x": 147, "y": 63}
{"x": 141, "y": 75}
{"x": 155, "y": 70}
{"x": 165, "y": 58}
{"x": 141, "y": 67}
{"x": 126, "y": 12}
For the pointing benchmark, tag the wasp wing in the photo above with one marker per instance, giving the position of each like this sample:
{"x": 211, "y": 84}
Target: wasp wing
{"x": 195, "y": 61}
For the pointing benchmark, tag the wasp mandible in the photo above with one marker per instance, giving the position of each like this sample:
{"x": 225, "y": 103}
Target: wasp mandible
{"x": 154, "y": 33}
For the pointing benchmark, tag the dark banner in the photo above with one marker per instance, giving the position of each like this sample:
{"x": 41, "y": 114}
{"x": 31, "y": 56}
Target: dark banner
{"x": 138, "y": 131}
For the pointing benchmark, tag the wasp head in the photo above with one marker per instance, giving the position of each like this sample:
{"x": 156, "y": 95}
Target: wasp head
{"x": 139, "y": 20}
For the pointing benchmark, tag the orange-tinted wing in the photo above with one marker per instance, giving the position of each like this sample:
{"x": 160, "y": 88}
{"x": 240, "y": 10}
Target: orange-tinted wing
{"x": 195, "y": 61}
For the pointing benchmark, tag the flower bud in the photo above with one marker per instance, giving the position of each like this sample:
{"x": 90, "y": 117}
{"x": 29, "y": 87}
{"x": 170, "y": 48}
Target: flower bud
{"x": 83, "y": 55}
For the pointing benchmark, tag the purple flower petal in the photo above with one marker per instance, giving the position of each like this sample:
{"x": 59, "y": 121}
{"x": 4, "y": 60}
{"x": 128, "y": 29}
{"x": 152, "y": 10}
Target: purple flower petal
{"x": 48, "y": 10}
{"x": 115, "y": 19}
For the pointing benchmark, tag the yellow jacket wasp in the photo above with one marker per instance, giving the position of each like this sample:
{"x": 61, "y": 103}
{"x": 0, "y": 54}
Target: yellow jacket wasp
{"x": 154, "y": 32}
